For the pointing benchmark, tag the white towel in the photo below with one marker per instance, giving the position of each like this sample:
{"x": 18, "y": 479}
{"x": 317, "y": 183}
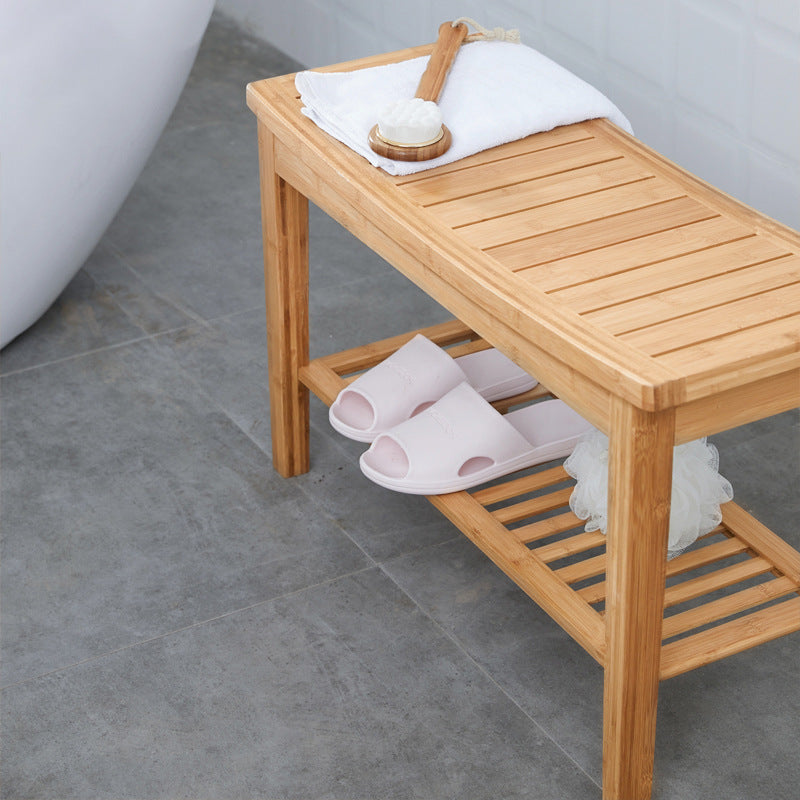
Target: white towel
{"x": 496, "y": 92}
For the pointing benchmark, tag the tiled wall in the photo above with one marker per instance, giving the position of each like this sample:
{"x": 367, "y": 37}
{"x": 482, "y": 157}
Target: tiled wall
{"x": 712, "y": 84}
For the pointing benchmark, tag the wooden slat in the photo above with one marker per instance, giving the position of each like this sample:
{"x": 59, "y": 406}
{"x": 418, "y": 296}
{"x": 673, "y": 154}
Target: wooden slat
{"x": 537, "y": 192}
{"x": 519, "y": 486}
{"x": 493, "y": 173}
{"x": 683, "y": 563}
{"x": 695, "y": 187}
{"x": 367, "y": 355}
{"x": 532, "y": 507}
{"x": 594, "y": 593}
{"x": 566, "y": 134}
{"x": 588, "y": 568}
{"x": 714, "y": 323}
{"x": 699, "y": 296}
{"x": 739, "y": 358}
{"x": 702, "y": 556}
{"x": 465, "y": 348}
{"x": 570, "y": 213}
{"x": 527, "y": 570}
{"x": 762, "y": 540}
{"x": 579, "y": 543}
{"x": 532, "y": 394}
{"x": 630, "y": 284}
{"x": 727, "y": 606}
{"x": 729, "y": 638}
{"x": 322, "y": 380}
{"x": 719, "y": 579}
{"x": 616, "y": 259}
{"x": 550, "y": 526}
{"x": 535, "y": 250}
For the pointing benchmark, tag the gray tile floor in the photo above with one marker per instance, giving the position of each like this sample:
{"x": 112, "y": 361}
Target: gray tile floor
{"x": 177, "y": 621}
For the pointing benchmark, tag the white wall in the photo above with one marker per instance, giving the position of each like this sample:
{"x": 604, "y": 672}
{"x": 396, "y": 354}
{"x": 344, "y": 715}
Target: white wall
{"x": 712, "y": 84}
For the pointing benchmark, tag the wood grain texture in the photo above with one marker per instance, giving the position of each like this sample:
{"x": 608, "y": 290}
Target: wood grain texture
{"x": 725, "y": 607}
{"x": 444, "y": 53}
{"x": 539, "y": 141}
{"x": 689, "y": 263}
{"x": 475, "y": 288}
{"x": 739, "y": 314}
{"x": 478, "y": 186}
{"x": 640, "y": 469}
{"x": 527, "y": 570}
{"x": 599, "y": 272}
{"x": 656, "y": 306}
{"x": 535, "y": 192}
{"x": 569, "y": 214}
{"x": 760, "y": 554}
{"x": 285, "y": 230}
{"x": 593, "y": 235}
{"x": 680, "y": 300}
{"x": 731, "y": 637}
{"x": 762, "y": 540}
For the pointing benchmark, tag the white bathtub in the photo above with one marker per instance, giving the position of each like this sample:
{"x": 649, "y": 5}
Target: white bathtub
{"x": 86, "y": 87}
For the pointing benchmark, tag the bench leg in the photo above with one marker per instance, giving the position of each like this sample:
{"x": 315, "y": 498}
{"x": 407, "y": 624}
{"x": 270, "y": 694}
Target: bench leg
{"x": 640, "y": 479}
{"x": 284, "y": 217}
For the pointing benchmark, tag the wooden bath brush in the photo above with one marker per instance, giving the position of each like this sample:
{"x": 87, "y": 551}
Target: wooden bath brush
{"x": 412, "y": 129}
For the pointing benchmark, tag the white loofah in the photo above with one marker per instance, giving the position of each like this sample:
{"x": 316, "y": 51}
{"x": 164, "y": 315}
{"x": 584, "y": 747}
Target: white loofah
{"x": 410, "y": 122}
{"x": 697, "y": 488}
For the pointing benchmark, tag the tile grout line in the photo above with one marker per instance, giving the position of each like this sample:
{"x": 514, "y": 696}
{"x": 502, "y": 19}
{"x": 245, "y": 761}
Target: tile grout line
{"x": 122, "y": 258}
{"x": 372, "y": 563}
{"x": 224, "y": 411}
{"x": 197, "y": 624}
{"x": 193, "y": 320}
{"x": 380, "y": 566}
{"x": 462, "y": 649}
{"x": 238, "y": 313}
{"x": 93, "y": 351}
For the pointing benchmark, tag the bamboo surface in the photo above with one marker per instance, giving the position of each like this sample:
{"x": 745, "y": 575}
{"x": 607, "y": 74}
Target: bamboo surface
{"x": 448, "y": 42}
{"x": 628, "y": 270}
{"x": 634, "y": 246}
{"x": 284, "y": 214}
{"x": 656, "y": 306}
{"x": 631, "y": 250}
{"x": 639, "y": 455}
{"x": 717, "y": 597}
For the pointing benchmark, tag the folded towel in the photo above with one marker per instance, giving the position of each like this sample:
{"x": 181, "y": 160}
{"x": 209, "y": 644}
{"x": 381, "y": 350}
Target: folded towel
{"x": 496, "y": 92}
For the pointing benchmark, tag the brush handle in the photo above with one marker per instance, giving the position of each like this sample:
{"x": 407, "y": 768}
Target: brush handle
{"x": 444, "y": 54}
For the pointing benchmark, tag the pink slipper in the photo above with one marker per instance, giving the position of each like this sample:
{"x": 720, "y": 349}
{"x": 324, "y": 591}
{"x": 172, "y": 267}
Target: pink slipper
{"x": 415, "y": 377}
{"x": 461, "y": 441}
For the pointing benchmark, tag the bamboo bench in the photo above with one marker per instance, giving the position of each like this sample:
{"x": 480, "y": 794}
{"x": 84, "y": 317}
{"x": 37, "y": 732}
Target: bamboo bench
{"x": 656, "y": 306}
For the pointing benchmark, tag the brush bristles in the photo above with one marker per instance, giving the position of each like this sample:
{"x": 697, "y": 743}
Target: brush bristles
{"x": 410, "y": 123}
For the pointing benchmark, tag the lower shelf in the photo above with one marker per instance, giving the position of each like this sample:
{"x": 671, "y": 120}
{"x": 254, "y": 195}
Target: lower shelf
{"x": 736, "y": 587}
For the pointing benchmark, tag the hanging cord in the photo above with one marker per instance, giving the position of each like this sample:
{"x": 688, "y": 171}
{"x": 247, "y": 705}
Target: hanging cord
{"x": 485, "y": 35}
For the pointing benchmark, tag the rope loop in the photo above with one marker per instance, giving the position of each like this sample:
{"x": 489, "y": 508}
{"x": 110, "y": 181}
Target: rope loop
{"x": 484, "y": 34}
